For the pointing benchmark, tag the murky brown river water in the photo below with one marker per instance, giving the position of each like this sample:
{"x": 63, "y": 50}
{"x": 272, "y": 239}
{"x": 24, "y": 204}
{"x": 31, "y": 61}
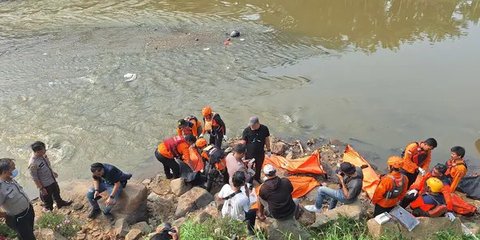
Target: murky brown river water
{"x": 383, "y": 72}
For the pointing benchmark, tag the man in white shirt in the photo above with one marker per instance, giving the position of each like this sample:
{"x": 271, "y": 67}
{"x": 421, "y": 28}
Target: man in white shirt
{"x": 237, "y": 200}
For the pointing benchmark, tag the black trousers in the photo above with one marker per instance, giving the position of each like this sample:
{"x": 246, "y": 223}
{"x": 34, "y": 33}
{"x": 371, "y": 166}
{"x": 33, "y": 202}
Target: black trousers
{"x": 412, "y": 177}
{"x": 168, "y": 164}
{"x": 250, "y": 217}
{"x": 379, "y": 210}
{"x": 22, "y": 224}
{"x": 259, "y": 158}
{"x": 53, "y": 193}
{"x": 216, "y": 139}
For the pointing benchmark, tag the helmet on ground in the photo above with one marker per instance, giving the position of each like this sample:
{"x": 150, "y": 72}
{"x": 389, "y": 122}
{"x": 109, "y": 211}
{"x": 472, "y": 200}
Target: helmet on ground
{"x": 395, "y": 161}
{"x": 435, "y": 184}
{"x": 201, "y": 143}
{"x": 207, "y": 110}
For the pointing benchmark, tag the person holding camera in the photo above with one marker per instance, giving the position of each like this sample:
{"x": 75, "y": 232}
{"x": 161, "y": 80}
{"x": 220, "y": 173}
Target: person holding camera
{"x": 166, "y": 232}
{"x": 350, "y": 181}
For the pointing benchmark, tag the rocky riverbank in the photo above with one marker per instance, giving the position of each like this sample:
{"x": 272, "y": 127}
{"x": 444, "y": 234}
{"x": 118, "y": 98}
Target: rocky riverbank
{"x": 147, "y": 203}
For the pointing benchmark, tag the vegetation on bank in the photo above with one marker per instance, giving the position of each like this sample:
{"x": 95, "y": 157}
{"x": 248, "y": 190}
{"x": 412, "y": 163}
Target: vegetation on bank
{"x": 59, "y": 223}
{"x": 343, "y": 228}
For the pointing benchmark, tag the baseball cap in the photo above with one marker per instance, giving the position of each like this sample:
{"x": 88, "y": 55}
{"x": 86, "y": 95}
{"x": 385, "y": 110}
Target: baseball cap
{"x": 253, "y": 120}
{"x": 269, "y": 170}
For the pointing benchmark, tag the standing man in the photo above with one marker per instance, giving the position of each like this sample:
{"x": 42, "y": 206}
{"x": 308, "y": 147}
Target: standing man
{"x": 108, "y": 178}
{"x": 257, "y": 137}
{"x": 189, "y": 125}
{"x": 45, "y": 178}
{"x": 172, "y": 148}
{"x": 214, "y": 126}
{"x": 16, "y": 207}
{"x": 417, "y": 158}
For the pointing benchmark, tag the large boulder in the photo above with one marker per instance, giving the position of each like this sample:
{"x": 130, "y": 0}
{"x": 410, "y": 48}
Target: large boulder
{"x": 424, "y": 230}
{"x": 132, "y": 201}
{"x": 354, "y": 210}
{"x": 162, "y": 207}
{"x": 142, "y": 226}
{"x": 120, "y": 228}
{"x": 179, "y": 187}
{"x": 285, "y": 229}
{"x": 48, "y": 234}
{"x": 192, "y": 200}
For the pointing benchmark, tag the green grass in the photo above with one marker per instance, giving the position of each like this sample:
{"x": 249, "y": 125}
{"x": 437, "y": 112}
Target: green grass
{"x": 344, "y": 229}
{"x": 59, "y": 223}
{"x": 7, "y": 232}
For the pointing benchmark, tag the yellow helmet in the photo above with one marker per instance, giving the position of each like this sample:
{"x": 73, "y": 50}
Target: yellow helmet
{"x": 435, "y": 184}
{"x": 395, "y": 161}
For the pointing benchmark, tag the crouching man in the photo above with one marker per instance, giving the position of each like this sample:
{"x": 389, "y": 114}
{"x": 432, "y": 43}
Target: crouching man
{"x": 108, "y": 178}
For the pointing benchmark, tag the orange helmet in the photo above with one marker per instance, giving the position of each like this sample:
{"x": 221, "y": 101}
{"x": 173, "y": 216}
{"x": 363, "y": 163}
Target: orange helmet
{"x": 395, "y": 161}
{"x": 206, "y": 111}
{"x": 201, "y": 143}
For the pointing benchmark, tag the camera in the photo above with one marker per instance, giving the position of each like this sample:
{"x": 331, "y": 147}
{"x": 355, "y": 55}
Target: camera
{"x": 338, "y": 171}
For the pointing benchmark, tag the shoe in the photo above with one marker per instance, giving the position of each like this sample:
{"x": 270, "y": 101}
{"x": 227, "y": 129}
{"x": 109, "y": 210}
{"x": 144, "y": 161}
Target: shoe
{"x": 312, "y": 208}
{"x": 46, "y": 210}
{"x": 94, "y": 213}
{"x": 64, "y": 204}
{"x": 109, "y": 216}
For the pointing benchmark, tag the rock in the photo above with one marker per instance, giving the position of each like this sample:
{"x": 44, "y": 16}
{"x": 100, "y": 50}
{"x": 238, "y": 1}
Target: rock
{"x": 48, "y": 234}
{"x": 153, "y": 197}
{"x": 307, "y": 218}
{"x": 78, "y": 206}
{"x": 286, "y": 229}
{"x": 121, "y": 228}
{"x": 81, "y": 236}
{"x": 163, "y": 208}
{"x": 146, "y": 181}
{"x": 134, "y": 234}
{"x": 194, "y": 199}
{"x": 179, "y": 222}
{"x": 202, "y": 217}
{"x": 354, "y": 210}
{"x": 279, "y": 148}
{"x": 424, "y": 230}
{"x": 142, "y": 226}
{"x": 131, "y": 202}
{"x": 179, "y": 187}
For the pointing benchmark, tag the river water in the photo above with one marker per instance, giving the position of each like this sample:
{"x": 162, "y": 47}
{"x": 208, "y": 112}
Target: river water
{"x": 374, "y": 73}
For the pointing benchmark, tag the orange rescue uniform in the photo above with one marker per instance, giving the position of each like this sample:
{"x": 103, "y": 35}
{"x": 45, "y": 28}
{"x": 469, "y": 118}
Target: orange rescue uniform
{"x": 456, "y": 171}
{"x": 177, "y": 149}
{"x": 412, "y": 159}
{"x": 386, "y": 185}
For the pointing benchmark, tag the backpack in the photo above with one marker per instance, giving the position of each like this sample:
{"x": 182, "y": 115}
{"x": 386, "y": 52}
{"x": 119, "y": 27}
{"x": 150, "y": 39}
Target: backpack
{"x": 397, "y": 188}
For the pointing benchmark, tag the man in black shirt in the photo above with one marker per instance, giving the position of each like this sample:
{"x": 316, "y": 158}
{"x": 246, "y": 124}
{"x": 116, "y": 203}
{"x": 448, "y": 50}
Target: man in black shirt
{"x": 256, "y": 136}
{"x": 277, "y": 193}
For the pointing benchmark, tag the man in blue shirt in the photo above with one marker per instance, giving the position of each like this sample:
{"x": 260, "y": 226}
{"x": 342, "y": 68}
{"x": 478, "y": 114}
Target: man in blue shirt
{"x": 109, "y": 178}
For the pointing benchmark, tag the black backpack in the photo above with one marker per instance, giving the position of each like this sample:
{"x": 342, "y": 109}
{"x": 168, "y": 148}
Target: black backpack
{"x": 397, "y": 188}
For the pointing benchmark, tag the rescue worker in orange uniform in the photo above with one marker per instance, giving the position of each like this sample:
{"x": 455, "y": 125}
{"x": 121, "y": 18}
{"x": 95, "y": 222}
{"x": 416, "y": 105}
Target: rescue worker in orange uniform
{"x": 189, "y": 125}
{"x": 392, "y": 187}
{"x": 456, "y": 167}
{"x": 171, "y": 149}
{"x": 214, "y": 126}
{"x": 433, "y": 202}
{"x": 215, "y": 160}
{"x": 417, "y": 158}
{"x": 419, "y": 187}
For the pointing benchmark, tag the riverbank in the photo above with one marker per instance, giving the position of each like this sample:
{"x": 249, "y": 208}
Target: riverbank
{"x": 147, "y": 203}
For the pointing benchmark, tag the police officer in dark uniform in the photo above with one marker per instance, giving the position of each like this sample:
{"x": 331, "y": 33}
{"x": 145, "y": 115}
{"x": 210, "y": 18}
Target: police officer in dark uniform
{"x": 17, "y": 210}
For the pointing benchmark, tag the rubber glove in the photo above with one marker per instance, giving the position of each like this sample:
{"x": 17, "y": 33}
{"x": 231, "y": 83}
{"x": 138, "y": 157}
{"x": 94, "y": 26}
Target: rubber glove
{"x": 423, "y": 172}
{"x": 413, "y": 192}
{"x": 450, "y": 216}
